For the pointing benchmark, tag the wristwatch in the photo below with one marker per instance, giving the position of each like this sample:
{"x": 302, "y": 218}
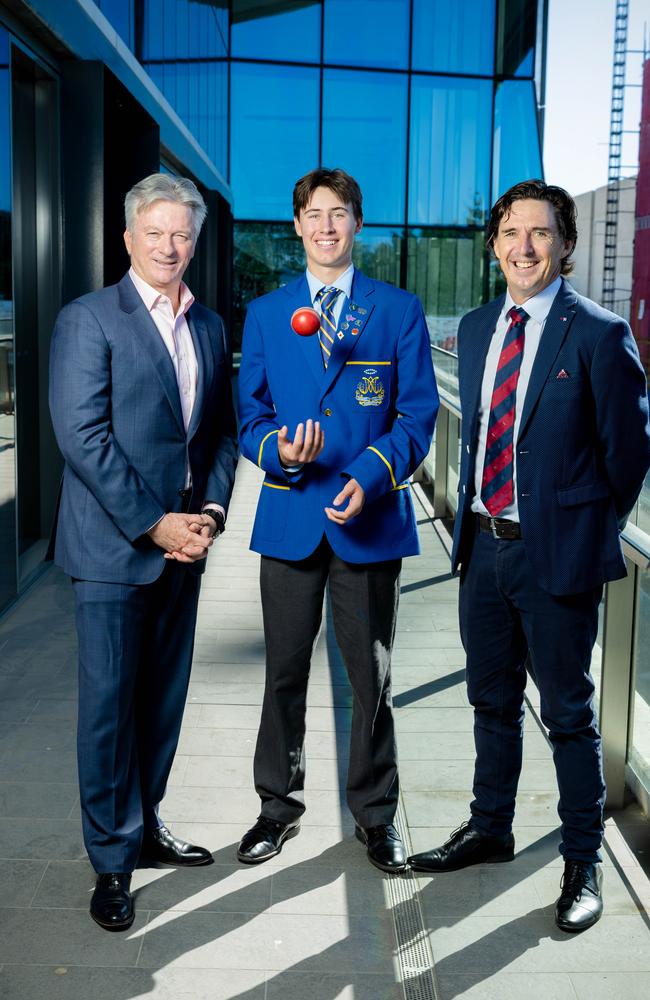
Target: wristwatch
{"x": 218, "y": 519}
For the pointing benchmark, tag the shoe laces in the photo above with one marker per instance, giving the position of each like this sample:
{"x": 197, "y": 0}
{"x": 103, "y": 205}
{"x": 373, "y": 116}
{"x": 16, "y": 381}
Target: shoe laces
{"x": 575, "y": 879}
{"x": 455, "y": 833}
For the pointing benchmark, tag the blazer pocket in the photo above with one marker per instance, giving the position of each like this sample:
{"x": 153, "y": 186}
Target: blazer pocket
{"x": 272, "y": 510}
{"x": 575, "y": 495}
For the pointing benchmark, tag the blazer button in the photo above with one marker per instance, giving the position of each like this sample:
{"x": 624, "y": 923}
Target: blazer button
{"x": 327, "y": 412}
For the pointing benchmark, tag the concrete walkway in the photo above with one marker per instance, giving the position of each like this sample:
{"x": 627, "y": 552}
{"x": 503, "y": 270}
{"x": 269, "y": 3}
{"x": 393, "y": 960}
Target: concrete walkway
{"x": 317, "y": 923}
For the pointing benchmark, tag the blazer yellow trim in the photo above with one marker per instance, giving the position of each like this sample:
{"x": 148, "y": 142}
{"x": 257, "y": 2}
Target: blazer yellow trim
{"x": 264, "y": 440}
{"x": 275, "y": 486}
{"x": 404, "y": 486}
{"x": 368, "y": 362}
{"x": 386, "y": 463}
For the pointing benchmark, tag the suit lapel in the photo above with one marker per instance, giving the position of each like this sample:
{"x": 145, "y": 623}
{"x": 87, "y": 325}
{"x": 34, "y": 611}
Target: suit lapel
{"x": 152, "y": 343}
{"x": 354, "y": 319}
{"x": 474, "y": 355}
{"x": 298, "y": 293}
{"x": 205, "y": 364}
{"x": 553, "y": 336}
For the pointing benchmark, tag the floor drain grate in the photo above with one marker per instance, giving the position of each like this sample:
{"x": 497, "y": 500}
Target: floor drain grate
{"x": 414, "y": 955}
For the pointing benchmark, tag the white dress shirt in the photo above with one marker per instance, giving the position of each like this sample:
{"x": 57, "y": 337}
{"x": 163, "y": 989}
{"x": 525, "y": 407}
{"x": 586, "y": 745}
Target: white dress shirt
{"x": 538, "y": 308}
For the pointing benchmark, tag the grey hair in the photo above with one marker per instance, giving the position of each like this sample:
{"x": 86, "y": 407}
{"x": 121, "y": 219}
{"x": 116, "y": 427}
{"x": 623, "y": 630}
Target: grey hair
{"x": 164, "y": 187}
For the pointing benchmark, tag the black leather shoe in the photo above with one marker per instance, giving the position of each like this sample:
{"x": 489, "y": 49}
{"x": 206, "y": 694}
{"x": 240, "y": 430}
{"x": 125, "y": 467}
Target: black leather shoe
{"x": 111, "y": 905}
{"x": 580, "y": 904}
{"x": 384, "y": 845}
{"x": 265, "y": 840}
{"x": 465, "y": 847}
{"x": 161, "y": 846}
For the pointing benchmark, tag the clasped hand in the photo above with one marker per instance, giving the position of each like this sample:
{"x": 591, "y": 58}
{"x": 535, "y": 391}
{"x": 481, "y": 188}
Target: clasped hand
{"x": 184, "y": 537}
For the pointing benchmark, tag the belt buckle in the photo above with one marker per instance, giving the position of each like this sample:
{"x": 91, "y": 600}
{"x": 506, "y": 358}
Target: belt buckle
{"x": 493, "y": 527}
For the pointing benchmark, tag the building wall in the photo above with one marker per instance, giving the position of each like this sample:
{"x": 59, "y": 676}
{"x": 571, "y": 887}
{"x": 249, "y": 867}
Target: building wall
{"x": 589, "y": 253}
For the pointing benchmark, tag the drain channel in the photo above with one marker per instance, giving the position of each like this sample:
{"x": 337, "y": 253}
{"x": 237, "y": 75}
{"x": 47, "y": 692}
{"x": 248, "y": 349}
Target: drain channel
{"x": 414, "y": 955}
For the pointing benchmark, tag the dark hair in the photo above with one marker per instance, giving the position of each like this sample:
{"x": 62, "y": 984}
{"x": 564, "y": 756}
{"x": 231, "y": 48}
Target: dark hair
{"x": 336, "y": 180}
{"x": 563, "y": 204}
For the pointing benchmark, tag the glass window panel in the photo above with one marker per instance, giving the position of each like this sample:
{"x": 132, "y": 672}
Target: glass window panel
{"x": 516, "y": 30}
{"x": 273, "y": 142}
{"x": 289, "y": 29}
{"x": 372, "y": 145}
{"x": 516, "y": 138}
{"x": 184, "y": 29}
{"x": 7, "y": 394}
{"x": 367, "y": 33}
{"x": 453, "y": 38}
{"x": 639, "y": 754}
{"x": 449, "y": 171}
{"x": 446, "y": 271}
{"x": 267, "y": 255}
{"x": 643, "y": 509}
{"x": 377, "y": 252}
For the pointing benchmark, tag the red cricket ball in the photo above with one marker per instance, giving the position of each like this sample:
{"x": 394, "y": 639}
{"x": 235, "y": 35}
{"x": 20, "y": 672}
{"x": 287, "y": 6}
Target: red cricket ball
{"x": 305, "y": 321}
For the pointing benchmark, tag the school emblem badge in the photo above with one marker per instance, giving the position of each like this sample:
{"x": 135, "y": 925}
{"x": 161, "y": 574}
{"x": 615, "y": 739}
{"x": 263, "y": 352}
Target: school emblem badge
{"x": 370, "y": 390}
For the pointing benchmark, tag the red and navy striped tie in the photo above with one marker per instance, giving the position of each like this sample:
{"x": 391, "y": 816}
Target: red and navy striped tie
{"x": 497, "y": 483}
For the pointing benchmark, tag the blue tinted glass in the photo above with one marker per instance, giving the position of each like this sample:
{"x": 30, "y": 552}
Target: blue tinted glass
{"x": 377, "y": 252}
{"x": 5, "y": 130}
{"x": 516, "y": 137}
{"x": 287, "y": 31}
{"x": 453, "y": 38}
{"x": 449, "y": 170}
{"x": 267, "y": 255}
{"x": 516, "y": 37}
{"x": 371, "y": 144}
{"x": 120, "y": 14}
{"x": 367, "y": 33}
{"x": 273, "y": 140}
{"x": 183, "y": 29}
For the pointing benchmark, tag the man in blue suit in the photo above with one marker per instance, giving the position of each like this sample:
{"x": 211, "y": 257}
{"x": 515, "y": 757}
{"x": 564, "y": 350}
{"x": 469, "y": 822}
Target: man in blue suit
{"x": 338, "y": 421}
{"x": 555, "y": 448}
{"x": 141, "y": 405}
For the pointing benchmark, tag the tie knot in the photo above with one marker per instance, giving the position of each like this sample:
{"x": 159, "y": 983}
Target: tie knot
{"x": 517, "y": 315}
{"x": 327, "y": 295}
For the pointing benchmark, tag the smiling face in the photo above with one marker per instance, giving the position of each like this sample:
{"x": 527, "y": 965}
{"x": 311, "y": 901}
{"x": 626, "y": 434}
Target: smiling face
{"x": 327, "y": 228}
{"x": 529, "y": 248}
{"x": 162, "y": 245}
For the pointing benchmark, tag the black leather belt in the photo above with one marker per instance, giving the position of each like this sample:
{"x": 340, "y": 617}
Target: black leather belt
{"x": 499, "y": 527}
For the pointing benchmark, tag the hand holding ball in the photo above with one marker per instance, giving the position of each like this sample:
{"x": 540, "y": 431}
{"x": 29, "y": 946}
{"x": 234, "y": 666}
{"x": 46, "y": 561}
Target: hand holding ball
{"x": 305, "y": 321}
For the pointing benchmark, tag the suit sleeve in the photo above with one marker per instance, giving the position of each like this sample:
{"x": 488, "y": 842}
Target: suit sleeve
{"x": 221, "y": 477}
{"x": 395, "y": 456}
{"x": 623, "y": 427}
{"x": 80, "y": 405}
{"x": 259, "y": 426}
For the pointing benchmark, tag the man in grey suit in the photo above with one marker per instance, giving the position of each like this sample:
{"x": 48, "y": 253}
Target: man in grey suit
{"x": 141, "y": 405}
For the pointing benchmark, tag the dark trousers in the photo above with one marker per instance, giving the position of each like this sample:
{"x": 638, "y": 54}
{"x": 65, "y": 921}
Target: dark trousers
{"x": 135, "y": 654}
{"x": 364, "y": 601}
{"x": 504, "y": 614}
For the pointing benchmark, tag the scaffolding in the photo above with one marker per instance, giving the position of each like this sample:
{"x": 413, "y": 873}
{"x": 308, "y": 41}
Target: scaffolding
{"x": 614, "y": 175}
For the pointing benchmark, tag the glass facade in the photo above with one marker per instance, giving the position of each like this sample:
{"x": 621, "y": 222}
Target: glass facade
{"x": 431, "y": 106}
{"x": 7, "y": 354}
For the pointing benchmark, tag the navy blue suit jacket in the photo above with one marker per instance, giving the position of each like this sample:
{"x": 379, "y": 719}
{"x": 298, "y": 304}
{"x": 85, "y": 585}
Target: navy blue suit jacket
{"x": 118, "y": 421}
{"x": 583, "y": 448}
{"x": 377, "y": 404}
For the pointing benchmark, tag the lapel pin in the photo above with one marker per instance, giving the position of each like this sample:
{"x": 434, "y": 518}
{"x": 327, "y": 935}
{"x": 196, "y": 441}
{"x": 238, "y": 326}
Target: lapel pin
{"x": 340, "y": 335}
{"x": 354, "y": 331}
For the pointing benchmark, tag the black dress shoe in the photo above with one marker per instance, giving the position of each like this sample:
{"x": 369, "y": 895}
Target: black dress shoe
{"x": 580, "y": 904}
{"x": 265, "y": 840}
{"x": 160, "y": 845}
{"x": 384, "y": 845}
{"x": 465, "y": 847}
{"x": 111, "y": 905}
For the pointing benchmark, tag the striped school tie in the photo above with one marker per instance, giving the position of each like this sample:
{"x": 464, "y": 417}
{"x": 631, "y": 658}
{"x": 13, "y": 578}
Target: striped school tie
{"x": 327, "y": 297}
{"x": 497, "y": 483}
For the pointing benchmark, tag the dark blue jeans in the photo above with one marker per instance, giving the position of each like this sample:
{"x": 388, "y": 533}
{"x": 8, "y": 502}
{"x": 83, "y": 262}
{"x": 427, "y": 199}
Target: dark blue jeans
{"x": 504, "y": 615}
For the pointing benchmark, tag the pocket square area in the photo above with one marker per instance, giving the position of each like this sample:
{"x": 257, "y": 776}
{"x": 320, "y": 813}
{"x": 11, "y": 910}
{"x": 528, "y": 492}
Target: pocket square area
{"x": 563, "y": 373}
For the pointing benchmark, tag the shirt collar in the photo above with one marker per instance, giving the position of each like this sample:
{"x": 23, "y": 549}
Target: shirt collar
{"x": 343, "y": 282}
{"x": 539, "y": 306}
{"x": 151, "y": 296}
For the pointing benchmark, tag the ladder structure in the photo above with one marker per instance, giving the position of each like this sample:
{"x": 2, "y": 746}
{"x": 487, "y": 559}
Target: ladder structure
{"x": 615, "y": 151}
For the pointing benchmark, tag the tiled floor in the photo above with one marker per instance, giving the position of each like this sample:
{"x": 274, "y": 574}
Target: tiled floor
{"x": 315, "y": 923}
